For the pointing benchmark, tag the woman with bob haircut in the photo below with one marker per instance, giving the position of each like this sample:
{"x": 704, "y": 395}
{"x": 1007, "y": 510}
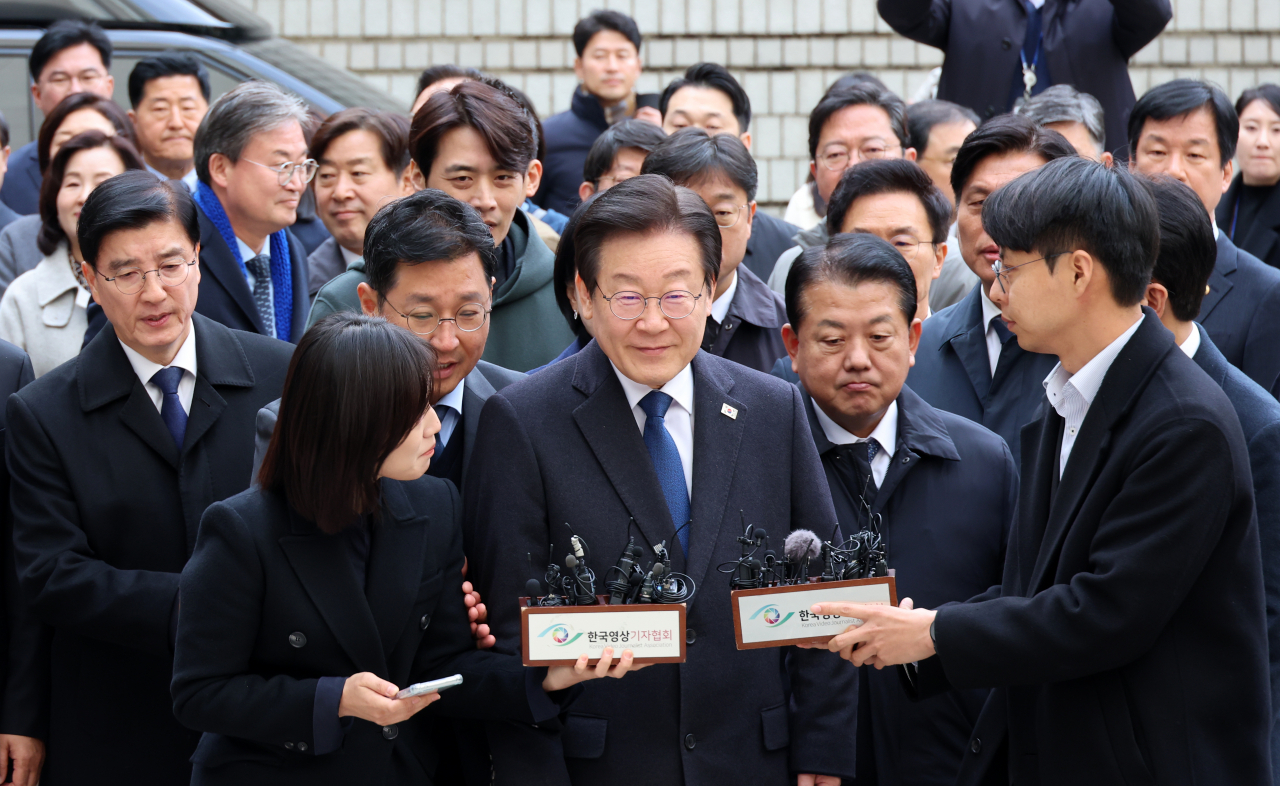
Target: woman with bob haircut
{"x": 312, "y": 599}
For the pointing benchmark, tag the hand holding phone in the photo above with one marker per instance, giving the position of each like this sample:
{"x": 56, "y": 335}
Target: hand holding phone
{"x": 434, "y": 686}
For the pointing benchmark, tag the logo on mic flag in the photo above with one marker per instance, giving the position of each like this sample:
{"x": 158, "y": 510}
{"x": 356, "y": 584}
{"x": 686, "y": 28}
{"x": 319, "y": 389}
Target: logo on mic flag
{"x": 561, "y": 635}
{"x": 771, "y": 615}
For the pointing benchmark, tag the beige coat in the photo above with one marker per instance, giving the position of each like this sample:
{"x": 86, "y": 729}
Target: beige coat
{"x": 43, "y": 311}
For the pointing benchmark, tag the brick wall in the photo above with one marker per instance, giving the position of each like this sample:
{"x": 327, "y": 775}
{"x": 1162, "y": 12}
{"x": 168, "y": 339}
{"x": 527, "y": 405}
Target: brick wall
{"x": 785, "y": 52}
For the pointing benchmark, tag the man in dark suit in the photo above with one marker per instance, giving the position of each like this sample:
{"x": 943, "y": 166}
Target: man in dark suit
{"x": 642, "y": 436}
{"x": 1187, "y": 253}
{"x": 897, "y": 466}
{"x": 114, "y": 458}
{"x": 1187, "y": 129}
{"x": 24, "y": 691}
{"x": 708, "y": 97}
{"x": 969, "y": 363}
{"x": 746, "y": 316}
{"x": 1136, "y": 530}
{"x": 989, "y": 46}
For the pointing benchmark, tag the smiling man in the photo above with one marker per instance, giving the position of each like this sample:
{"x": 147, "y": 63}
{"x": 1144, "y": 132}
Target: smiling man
{"x": 642, "y": 436}
{"x": 170, "y": 96}
{"x": 116, "y": 456}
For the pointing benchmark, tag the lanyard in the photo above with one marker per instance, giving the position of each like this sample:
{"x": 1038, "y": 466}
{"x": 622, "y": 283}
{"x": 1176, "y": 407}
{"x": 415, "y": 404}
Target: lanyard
{"x": 1029, "y": 71}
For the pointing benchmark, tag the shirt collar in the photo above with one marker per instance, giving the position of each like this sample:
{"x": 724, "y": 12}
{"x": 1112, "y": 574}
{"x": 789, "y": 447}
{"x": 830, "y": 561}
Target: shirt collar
{"x": 185, "y": 359}
{"x": 679, "y": 388}
{"x": 885, "y": 432}
{"x": 453, "y": 399}
{"x": 1088, "y": 379}
{"x": 1192, "y": 343}
{"x": 1213, "y": 220}
{"x": 989, "y": 309}
{"x": 720, "y": 306}
{"x": 246, "y": 253}
{"x": 347, "y": 256}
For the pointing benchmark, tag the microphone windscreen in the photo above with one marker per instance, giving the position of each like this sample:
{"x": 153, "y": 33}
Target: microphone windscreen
{"x": 659, "y": 569}
{"x": 759, "y": 534}
{"x": 533, "y": 588}
{"x": 571, "y": 562}
{"x": 802, "y": 544}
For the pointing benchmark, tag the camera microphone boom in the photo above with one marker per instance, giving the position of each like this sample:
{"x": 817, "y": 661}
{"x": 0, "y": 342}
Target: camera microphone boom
{"x": 801, "y": 546}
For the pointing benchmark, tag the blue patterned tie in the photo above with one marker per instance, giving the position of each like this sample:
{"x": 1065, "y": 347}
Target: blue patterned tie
{"x": 260, "y": 267}
{"x": 666, "y": 462}
{"x": 171, "y": 411}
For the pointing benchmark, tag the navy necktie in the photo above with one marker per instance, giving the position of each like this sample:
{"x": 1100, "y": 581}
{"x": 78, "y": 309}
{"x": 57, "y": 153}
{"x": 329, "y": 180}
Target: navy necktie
{"x": 666, "y": 462}
{"x": 260, "y": 267}
{"x": 171, "y": 411}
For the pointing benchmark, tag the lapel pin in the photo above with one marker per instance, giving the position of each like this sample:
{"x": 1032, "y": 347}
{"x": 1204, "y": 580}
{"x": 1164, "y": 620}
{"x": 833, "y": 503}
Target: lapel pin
{"x": 730, "y": 411}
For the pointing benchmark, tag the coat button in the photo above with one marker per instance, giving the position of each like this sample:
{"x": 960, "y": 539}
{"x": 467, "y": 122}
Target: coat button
{"x": 1006, "y": 45}
{"x": 689, "y": 636}
{"x": 288, "y": 746}
{"x": 689, "y": 742}
{"x": 390, "y": 732}
{"x": 424, "y": 622}
{"x": 975, "y": 745}
{"x": 302, "y": 746}
{"x": 906, "y": 459}
{"x": 298, "y": 639}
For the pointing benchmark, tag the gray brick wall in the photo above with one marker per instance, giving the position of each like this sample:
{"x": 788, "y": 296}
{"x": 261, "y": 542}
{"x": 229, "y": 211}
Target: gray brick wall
{"x": 785, "y": 52}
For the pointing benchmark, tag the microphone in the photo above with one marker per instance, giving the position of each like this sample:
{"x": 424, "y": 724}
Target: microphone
{"x": 533, "y": 588}
{"x": 650, "y": 582}
{"x": 626, "y": 562}
{"x": 801, "y": 546}
{"x": 583, "y": 584}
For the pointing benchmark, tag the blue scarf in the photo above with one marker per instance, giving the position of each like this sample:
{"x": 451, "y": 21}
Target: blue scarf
{"x": 281, "y": 262}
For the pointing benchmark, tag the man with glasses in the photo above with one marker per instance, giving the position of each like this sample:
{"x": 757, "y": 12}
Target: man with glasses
{"x": 860, "y": 122}
{"x": 969, "y": 362}
{"x": 71, "y": 57}
{"x": 251, "y": 158}
{"x": 114, "y": 458}
{"x": 746, "y": 317}
{"x": 643, "y": 437}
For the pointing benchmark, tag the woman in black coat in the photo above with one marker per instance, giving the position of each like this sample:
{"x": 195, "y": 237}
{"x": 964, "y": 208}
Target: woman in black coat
{"x": 310, "y": 601}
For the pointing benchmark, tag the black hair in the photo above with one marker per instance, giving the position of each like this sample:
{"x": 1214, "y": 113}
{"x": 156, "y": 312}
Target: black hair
{"x": 4, "y": 131}
{"x": 1181, "y": 97}
{"x": 133, "y": 200}
{"x": 715, "y": 77}
{"x": 850, "y": 260}
{"x": 889, "y": 176}
{"x": 640, "y": 134}
{"x": 51, "y": 233}
{"x": 599, "y": 21}
{"x": 166, "y": 64}
{"x": 428, "y": 226}
{"x": 691, "y": 156}
{"x": 1001, "y": 135}
{"x": 922, "y": 116}
{"x": 65, "y": 34}
{"x": 1074, "y": 203}
{"x": 1188, "y": 250}
{"x": 566, "y": 269}
{"x": 1269, "y": 94}
{"x": 641, "y": 205}
{"x": 861, "y": 92}
{"x": 853, "y": 79}
{"x": 439, "y": 73}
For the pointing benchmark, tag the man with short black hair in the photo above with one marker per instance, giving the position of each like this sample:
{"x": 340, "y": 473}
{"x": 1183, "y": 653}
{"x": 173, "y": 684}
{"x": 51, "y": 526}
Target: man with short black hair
{"x": 851, "y": 335}
{"x": 170, "y": 94}
{"x": 114, "y": 457}
{"x": 969, "y": 363}
{"x": 1187, "y": 255}
{"x": 1136, "y": 531}
{"x": 607, "y": 66}
{"x": 1188, "y": 129}
{"x": 73, "y": 56}
{"x": 745, "y": 316}
{"x": 618, "y": 154}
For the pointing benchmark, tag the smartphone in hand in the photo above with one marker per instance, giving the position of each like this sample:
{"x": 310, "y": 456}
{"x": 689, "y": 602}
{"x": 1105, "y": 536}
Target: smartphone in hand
{"x": 434, "y": 686}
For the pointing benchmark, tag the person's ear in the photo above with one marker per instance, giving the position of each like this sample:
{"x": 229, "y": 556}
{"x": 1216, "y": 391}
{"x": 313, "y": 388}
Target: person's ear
{"x": 368, "y": 300}
{"x": 578, "y": 70}
{"x": 1227, "y": 172}
{"x": 1108, "y": 160}
{"x": 909, "y": 154}
{"x": 791, "y": 340}
{"x": 745, "y": 136}
{"x": 585, "y": 191}
{"x": 220, "y": 170}
{"x": 586, "y": 305}
{"x": 1083, "y": 269}
{"x": 35, "y": 92}
{"x": 133, "y": 118}
{"x": 533, "y": 178}
{"x": 913, "y": 340}
{"x": 1157, "y": 298}
{"x": 751, "y": 213}
{"x": 91, "y": 278}
{"x": 413, "y": 181}
{"x": 939, "y": 256}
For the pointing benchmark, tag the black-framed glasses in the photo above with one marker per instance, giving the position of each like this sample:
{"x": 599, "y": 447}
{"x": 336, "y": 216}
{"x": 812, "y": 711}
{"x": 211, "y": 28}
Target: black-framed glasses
{"x": 1002, "y": 271}
{"x": 469, "y": 318}
{"x": 131, "y": 280}
{"x": 284, "y": 172}
{"x": 676, "y": 304}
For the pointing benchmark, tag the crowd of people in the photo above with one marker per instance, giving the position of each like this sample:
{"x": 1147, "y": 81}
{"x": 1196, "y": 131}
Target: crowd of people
{"x": 298, "y": 405}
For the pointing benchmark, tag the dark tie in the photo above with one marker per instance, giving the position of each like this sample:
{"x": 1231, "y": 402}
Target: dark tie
{"x": 171, "y": 411}
{"x": 854, "y": 467}
{"x": 442, "y": 411}
{"x": 666, "y": 462}
{"x": 260, "y": 267}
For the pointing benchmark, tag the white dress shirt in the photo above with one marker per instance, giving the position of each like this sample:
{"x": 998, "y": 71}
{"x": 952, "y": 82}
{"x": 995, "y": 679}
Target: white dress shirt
{"x": 679, "y": 418}
{"x": 452, "y": 400}
{"x": 720, "y": 306}
{"x": 189, "y": 179}
{"x": 991, "y": 311}
{"x": 885, "y": 432}
{"x": 246, "y": 254}
{"x": 348, "y": 256}
{"x": 185, "y": 360}
{"x": 1072, "y": 394}
{"x": 1192, "y": 343}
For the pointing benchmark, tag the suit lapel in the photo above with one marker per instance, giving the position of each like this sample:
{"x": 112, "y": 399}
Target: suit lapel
{"x": 1039, "y": 439}
{"x": 395, "y": 565}
{"x": 475, "y": 392}
{"x": 219, "y": 261}
{"x": 609, "y": 428}
{"x": 716, "y": 439}
{"x": 971, "y": 346}
{"x": 140, "y": 415}
{"x": 1219, "y": 280}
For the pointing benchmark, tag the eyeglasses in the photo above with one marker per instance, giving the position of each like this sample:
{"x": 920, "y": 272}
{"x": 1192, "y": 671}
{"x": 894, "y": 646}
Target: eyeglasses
{"x": 727, "y": 215}
{"x": 284, "y": 172}
{"x": 676, "y": 304}
{"x": 132, "y": 281}
{"x": 468, "y": 318}
{"x": 1002, "y": 272}
{"x": 908, "y": 246}
{"x": 87, "y": 79}
{"x": 838, "y": 159}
